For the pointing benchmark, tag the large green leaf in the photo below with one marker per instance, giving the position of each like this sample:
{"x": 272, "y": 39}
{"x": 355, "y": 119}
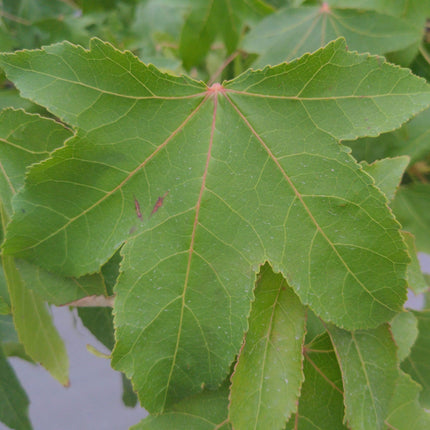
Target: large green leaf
{"x": 417, "y": 364}
{"x": 206, "y": 184}
{"x": 205, "y": 411}
{"x": 412, "y": 139}
{"x": 208, "y": 19}
{"x": 406, "y": 412}
{"x": 268, "y": 374}
{"x": 412, "y": 208}
{"x": 292, "y": 32}
{"x": 13, "y": 400}
{"x": 368, "y": 362}
{"x": 321, "y": 398}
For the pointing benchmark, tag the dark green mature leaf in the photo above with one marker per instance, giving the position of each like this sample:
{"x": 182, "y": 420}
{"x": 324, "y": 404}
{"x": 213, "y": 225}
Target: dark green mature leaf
{"x": 321, "y": 398}
{"x": 268, "y": 373}
{"x": 406, "y": 412}
{"x": 404, "y": 327}
{"x": 418, "y": 363}
{"x": 387, "y": 173}
{"x": 207, "y": 183}
{"x": 209, "y": 18}
{"x": 129, "y": 397}
{"x": 205, "y": 411}
{"x": 13, "y": 400}
{"x": 368, "y": 361}
{"x": 99, "y": 322}
{"x": 9, "y": 339}
{"x": 412, "y": 139}
{"x": 412, "y": 208}
{"x": 292, "y": 32}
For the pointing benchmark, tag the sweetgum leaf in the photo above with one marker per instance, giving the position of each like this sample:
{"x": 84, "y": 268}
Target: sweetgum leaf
{"x": 205, "y": 184}
{"x": 292, "y": 32}
{"x": 13, "y": 400}
{"x": 368, "y": 363}
{"x": 320, "y": 405}
{"x": 412, "y": 208}
{"x": 268, "y": 374}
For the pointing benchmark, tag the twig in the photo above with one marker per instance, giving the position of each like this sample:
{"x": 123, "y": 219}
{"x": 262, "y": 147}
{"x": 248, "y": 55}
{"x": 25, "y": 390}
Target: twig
{"x": 14, "y": 18}
{"x": 221, "y": 68}
{"x": 424, "y": 53}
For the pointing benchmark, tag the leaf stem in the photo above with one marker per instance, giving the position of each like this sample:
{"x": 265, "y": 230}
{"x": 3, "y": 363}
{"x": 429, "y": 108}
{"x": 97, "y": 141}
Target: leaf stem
{"x": 221, "y": 68}
{"x": 424, "y": 53}
{"x": 14, "y": 18}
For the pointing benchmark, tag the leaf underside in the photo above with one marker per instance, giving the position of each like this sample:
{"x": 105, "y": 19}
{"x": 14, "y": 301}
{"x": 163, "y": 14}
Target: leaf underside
{"x": 205, "y": 184}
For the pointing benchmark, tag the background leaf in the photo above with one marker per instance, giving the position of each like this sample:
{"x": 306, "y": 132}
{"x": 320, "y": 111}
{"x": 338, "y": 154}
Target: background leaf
{"x": 417, "y": 363}
{"x": 412, "y": 208}
{"x": 268, "y": 373}
{"x": 404, "y": 327}
{"x": 292, "y": 32}
{"x": 13, "y": 400}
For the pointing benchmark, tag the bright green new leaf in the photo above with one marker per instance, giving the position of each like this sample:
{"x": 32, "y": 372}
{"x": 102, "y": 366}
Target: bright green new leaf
{"x": 268, "y": 373}
{"x": 292, "y": 32}
{"x": 413, "y": 139}
{"x": 416, "y": 280}
{"x": 412, "y": 208}
{"x": 13, "y": 400}
{"x": 320, "y": 405}
{"x": 404, "y": 327}
{"x": 207, "y": 184}
{"x": 368, "y": 362}
{"x": 387, "y": 173}
{"x": 417, "y": 364}
{"x": 208, "y": 19}
{"x": 205, "y": 411}
{"x": 406, "y": 412}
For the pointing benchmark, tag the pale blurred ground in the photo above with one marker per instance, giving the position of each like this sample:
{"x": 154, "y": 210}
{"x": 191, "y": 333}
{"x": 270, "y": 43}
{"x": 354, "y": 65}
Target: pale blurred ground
{"x": 93, "y": 401}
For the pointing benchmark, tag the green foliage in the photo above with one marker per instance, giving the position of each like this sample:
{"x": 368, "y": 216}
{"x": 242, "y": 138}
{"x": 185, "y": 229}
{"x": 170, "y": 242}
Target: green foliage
{"x": 258, "y": 268}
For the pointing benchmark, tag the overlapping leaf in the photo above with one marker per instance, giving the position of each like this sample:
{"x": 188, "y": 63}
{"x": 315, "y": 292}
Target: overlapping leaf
{"x": 321, "y": 399}
{"x": 417, "y": 364}
{"x": 412, "y": 209}
{"x": 268, "y": 373}
{"x": 292, "y": 32}
{"x": 412, "y": 139}
{"x": 155, "y": 157}
{"x": 368, "y": 362}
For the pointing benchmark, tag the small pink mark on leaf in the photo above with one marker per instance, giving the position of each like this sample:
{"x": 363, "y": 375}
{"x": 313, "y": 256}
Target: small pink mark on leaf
{"x": 325, "y": 8}
{"x": 159, "y": 203}
{"x": 137, "y": 207}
